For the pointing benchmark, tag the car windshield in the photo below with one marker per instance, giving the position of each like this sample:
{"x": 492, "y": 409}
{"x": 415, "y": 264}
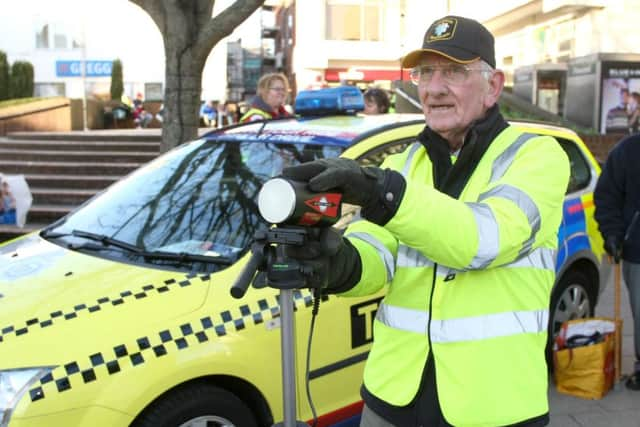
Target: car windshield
{"x": 200, "y": 198}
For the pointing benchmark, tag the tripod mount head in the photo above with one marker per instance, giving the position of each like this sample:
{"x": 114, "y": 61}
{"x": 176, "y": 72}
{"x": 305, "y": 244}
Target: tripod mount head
{"x": 300, "y": 218}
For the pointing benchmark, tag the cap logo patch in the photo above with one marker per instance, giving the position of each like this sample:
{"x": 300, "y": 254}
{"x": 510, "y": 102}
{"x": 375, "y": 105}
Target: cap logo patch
{"x": 443, "y": 30}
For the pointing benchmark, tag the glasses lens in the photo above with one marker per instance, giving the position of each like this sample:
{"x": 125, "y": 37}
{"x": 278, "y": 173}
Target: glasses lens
{"x": 451, "y": 73}
{"x": 415, "y": 75}
{"x": 454, "y": 73}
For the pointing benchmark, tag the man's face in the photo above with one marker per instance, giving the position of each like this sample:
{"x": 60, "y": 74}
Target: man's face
{"x": 450, "y": 107}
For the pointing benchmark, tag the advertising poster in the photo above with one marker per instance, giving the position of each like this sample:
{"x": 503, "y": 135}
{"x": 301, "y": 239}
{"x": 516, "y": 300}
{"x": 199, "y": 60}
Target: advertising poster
{"x": 620, "y": 111}
{"x": 16, "y": 200}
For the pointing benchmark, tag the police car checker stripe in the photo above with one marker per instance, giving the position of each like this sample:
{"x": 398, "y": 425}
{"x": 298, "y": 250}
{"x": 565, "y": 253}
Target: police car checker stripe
{"x": 138, "y": 352}
{"x": 59, "y": 315}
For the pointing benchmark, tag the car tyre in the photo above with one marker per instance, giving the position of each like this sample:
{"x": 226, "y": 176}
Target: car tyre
{"x": 197, "y": 405}
{"x": 574, "y": 297}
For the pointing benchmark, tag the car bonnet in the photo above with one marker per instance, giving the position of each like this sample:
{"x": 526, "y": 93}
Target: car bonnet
{"x": 50, "y": 295}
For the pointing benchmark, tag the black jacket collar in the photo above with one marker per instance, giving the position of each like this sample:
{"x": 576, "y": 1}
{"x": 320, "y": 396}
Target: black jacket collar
{"x": 449, "y": 178}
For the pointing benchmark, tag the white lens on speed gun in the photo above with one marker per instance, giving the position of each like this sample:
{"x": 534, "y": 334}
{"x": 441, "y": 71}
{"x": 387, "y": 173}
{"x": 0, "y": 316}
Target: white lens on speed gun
{"x": 283, "y": 201}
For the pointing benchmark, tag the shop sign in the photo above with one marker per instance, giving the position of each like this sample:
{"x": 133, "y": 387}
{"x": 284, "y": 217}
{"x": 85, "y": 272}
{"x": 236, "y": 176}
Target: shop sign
{"x": 74, "y": 68}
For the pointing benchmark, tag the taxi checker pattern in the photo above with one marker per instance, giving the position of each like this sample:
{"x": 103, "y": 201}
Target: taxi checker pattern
{"x": 132, "y": 354}
{"x": 124, "y": 296}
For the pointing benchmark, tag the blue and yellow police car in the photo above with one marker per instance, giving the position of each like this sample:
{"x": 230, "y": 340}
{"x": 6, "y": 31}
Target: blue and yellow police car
{"x": 120, "y": 313}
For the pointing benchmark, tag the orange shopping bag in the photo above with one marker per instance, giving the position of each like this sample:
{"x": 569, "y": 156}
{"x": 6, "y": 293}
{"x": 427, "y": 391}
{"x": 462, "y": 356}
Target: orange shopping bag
{"x": 584, "y": 357}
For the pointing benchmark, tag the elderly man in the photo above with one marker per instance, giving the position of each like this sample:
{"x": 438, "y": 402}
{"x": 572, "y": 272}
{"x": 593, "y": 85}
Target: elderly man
{"x": 462, "y": 227}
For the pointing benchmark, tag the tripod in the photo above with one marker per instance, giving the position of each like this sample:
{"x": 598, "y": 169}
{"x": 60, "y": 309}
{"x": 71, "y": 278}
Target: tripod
{"x": 285, "y": 274}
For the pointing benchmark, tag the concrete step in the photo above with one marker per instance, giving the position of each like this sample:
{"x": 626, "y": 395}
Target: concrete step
{"x": 61, "y": 196}
{"x": 99, "y": 146}
{"x": 8, "y": 232}
{"x": 138, "y": 135}
{"x": 75, "y": 156}
{"x": 64, "y": 169}
{"x": 87, "y": 182}
{"x": 46, "y": 214}
{"x": 67, "y": 168}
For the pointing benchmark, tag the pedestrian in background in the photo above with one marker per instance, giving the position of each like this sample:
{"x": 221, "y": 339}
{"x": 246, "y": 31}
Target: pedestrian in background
{"x": 208, "y": 113}
{"x": 462, "y": 226}
{"x": 376, "y": 101}
{"x": 141, "y": 117}
{"x": 617, "y": 202}
{"x": 269, "y": 103}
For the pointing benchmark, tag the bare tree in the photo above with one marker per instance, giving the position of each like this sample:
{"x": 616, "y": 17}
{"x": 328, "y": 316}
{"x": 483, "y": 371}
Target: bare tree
{"x": 189, "y": 33}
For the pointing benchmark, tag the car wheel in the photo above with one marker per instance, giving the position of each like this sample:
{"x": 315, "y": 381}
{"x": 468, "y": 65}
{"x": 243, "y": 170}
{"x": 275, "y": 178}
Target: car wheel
{"x": 574, "y": 297}
{"x": 197, "y": 405}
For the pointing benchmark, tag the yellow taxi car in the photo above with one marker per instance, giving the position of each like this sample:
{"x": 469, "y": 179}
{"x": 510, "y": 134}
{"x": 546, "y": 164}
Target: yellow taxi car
{"x": 120, "y": 313}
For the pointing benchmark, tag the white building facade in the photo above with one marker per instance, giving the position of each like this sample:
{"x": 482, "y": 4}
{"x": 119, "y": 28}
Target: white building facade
{"x": 369, "y": 36}
{"x": 357, "y": 40}
{"x": 58, "y": 36}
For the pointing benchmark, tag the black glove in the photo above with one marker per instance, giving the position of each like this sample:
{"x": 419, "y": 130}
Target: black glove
{"x": 336, "y": 262}
{"x": 358, "y": 185}
{"x": 378, "y": 191}
{"x": 613, "y": 246}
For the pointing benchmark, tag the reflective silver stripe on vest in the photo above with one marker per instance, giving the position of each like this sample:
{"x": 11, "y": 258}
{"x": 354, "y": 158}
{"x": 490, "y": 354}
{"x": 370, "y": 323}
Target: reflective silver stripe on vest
{"x": 407, "y": 164}
{"x": 489, "y": 326}
{"x": 505, "y": 159}
{"x": 465, "y": 328}
{"x": 405, "y": 319}
{"x": 526, "y": 205}
{"x": 385, "y": 254}
{"x": 410, "y": 257}
{"x": 488, "y": 236}
{"x": 539, "y": 258}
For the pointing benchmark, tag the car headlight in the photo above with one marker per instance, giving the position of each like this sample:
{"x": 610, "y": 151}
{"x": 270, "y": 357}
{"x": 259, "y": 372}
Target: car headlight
{"x": 13, "y": 385}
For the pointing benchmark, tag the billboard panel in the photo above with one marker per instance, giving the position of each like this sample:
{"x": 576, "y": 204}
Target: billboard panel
{"x": 620, "y": 96}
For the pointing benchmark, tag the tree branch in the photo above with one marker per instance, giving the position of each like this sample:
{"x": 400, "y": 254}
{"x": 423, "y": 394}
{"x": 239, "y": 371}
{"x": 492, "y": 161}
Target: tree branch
{"x": 225, "y": 22}
{"x": 204, "y": 10}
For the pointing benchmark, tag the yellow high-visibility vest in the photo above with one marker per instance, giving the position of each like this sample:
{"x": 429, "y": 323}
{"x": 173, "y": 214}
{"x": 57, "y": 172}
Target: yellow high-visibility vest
{"x": 255, "y": 112}
{"x": 492, "y": 252}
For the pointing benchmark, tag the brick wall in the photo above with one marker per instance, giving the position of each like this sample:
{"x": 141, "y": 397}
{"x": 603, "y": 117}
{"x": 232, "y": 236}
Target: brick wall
{"x": 600, "y": 145}
{"x": 45, "y": 115}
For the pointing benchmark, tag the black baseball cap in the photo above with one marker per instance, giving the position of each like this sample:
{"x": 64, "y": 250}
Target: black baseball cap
{"x": 460, "y": 39}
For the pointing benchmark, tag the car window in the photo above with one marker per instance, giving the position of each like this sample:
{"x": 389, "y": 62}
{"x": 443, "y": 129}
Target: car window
{"x": 373, "y": 157}
{"x": 580, "y": 170}
{"x": 378, "y": 154}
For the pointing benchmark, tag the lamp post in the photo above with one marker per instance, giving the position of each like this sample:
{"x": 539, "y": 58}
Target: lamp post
{"x": 83, "y": 66}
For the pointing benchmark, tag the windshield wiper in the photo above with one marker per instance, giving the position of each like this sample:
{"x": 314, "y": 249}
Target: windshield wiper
{"x": 106, "y": 241}
{"x": 184, "y": 257}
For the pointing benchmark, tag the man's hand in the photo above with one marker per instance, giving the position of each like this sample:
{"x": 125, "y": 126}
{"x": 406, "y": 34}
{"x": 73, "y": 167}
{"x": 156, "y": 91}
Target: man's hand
{"x": 334, "y": 259}
{"x": 358, "y": 185}
{"x": 613, "y": 246}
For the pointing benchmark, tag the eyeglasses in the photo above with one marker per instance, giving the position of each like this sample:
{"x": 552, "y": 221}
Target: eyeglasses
{"x": 278, "y": 89}
{"x": 454, "y": 74}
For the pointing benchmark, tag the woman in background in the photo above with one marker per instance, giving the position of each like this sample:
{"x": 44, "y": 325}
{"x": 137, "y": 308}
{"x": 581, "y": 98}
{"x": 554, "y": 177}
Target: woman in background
{"x": 269, "y": 103}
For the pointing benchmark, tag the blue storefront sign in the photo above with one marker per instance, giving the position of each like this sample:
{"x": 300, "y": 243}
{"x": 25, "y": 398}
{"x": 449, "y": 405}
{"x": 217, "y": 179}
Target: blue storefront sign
{"x": 74, "y": 68}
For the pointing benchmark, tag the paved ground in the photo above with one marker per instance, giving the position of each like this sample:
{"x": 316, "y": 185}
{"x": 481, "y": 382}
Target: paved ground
{"x": 620, "y": 407}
